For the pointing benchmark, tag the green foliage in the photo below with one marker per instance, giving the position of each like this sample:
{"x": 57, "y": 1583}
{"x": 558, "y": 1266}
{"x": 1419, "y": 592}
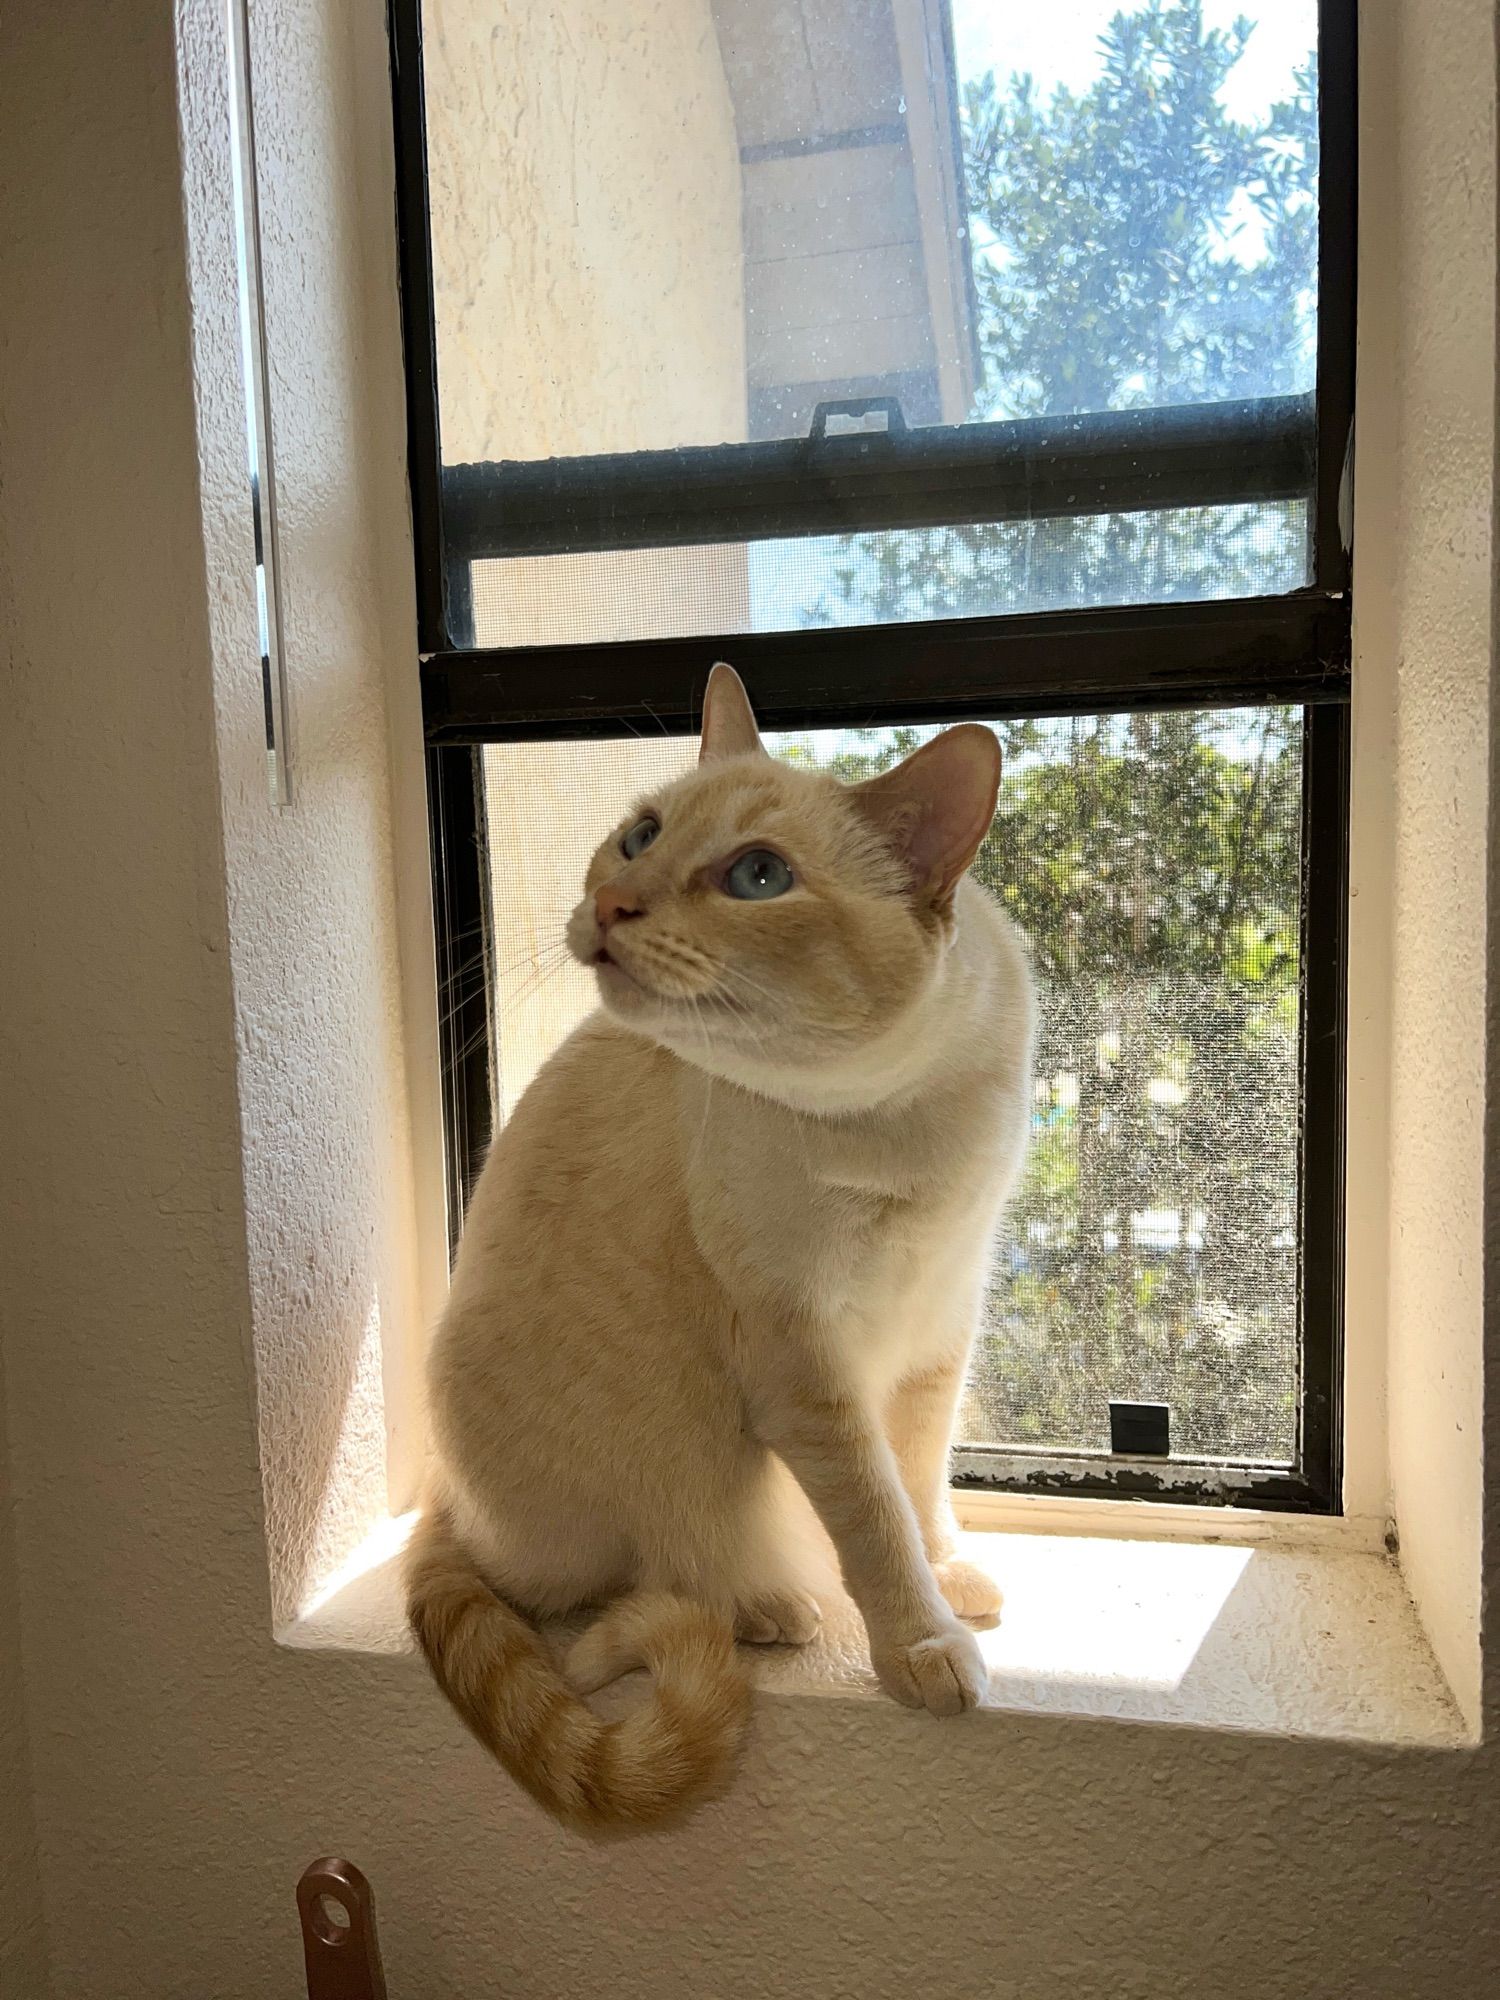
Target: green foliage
{"x": 1135, "y": 246}
{"x": 1151, "y": 861}
{"x": 1103, "y": 222}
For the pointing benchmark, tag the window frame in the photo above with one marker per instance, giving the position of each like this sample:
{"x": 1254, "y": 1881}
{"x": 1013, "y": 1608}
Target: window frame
{"x": 1294, "y": 649}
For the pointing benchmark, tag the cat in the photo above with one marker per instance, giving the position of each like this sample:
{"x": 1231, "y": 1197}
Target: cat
{"x": 725, "y": 1260}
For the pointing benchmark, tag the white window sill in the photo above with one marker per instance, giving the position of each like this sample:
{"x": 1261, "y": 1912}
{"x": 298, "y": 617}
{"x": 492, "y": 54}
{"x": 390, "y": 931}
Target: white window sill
{"x": 1319, "y": 1640}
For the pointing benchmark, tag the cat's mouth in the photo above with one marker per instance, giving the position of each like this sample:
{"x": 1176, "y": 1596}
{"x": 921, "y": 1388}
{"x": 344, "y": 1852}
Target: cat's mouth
{"x": 618, "y": 981}
{"x": 614, "y": 975}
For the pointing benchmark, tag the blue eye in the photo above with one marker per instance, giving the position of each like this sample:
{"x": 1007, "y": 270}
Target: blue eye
{"x": 639, "y": 838}
{"x": 757, "y": 876}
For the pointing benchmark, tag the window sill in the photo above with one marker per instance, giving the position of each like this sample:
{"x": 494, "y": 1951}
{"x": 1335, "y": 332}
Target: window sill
{"x": 1225, "y": 1634}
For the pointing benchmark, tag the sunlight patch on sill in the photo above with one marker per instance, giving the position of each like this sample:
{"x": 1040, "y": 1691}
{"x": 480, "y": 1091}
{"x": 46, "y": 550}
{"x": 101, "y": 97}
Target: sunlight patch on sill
{"x": 1276, "y": 1641}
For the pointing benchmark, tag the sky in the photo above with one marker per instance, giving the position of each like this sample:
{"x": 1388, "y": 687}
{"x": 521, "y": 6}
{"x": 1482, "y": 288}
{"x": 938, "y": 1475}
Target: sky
{"x": 1059, "y": 42}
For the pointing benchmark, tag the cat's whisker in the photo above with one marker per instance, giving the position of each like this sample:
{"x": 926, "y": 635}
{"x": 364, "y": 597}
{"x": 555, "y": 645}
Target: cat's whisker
{"x": 473, "y": 1042}
{"x": 466, "y": 970}
{"x": 531, "y": 990}
{"x": 677, "y": 951}
{"x": 472, "y": 992}
{"x": 539, "y": 955}
{"x": 736, "y": 982}
{"x": 465, "y": 982}
{"x": 736, "y": 988}
{"x": 506, "y": 997}
{"x": 534, "y": 952}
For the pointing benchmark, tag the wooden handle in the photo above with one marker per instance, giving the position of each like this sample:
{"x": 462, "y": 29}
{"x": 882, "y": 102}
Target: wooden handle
{"x": 337, "y": 1908}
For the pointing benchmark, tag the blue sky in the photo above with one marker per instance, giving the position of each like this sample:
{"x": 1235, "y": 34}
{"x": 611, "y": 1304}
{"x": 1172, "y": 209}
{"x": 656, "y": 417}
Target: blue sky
{"x": 1059, "y": 43}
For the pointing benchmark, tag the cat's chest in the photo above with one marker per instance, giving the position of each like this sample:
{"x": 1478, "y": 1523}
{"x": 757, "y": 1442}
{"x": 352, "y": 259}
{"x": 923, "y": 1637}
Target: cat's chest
{"x": 850, "y": 1218}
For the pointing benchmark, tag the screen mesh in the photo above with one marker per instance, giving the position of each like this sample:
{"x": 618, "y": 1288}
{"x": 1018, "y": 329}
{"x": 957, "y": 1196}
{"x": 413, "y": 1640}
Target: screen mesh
{"x": 1151, "y": 1251}
{"x": 1152, "y": 862}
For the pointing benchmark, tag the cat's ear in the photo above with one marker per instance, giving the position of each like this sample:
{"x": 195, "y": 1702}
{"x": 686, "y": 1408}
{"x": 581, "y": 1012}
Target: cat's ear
{"x": 728, "y": 719}
{"x": 936, "y": 807}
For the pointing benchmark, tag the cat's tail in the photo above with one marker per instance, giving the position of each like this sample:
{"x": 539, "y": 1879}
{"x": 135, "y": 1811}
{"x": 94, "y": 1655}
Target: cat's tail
{"x": 652, "y": 1766}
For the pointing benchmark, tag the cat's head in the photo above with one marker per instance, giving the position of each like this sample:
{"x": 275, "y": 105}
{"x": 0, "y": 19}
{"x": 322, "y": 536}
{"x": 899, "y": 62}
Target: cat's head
{"x": 766, "y": 914}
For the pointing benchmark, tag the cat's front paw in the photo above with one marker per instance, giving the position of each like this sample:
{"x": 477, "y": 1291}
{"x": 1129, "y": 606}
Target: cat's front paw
{"x": 944, "y": 1673}
{"x": 969, "y": 1591}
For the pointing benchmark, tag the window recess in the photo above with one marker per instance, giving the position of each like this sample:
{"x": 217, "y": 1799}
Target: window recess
{"x": 929, "y": 366}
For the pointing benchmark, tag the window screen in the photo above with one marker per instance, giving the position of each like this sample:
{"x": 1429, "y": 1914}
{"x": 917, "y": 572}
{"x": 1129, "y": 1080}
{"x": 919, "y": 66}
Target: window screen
{"x": 1152, "y": 862}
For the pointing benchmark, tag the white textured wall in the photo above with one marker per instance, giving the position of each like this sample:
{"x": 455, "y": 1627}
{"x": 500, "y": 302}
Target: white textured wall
{"x": 314, "y": 973}
{"x": 186, "y": 1769}
{"x": 1420, "y": 928}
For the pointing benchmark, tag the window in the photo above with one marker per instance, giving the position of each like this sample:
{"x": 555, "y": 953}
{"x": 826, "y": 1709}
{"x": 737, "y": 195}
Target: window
{"x": 930, "y": 362}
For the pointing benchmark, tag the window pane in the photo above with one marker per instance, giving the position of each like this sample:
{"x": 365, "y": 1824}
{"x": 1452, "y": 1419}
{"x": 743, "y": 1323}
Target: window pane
{"x": 687, "y": 225}
{"x": 1152, "y": 861}
{"x": 1142, "y": 187}
{"x": 894, "y": 577}
{"x": 547, "y": 806}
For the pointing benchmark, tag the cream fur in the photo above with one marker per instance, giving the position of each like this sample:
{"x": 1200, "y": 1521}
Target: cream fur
{"x": 738, "y": 1228}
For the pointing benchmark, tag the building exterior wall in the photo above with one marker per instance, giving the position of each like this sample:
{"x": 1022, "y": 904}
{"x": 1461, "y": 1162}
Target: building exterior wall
{"x": 588, "y": 291}
{"x": 589, "y": 294}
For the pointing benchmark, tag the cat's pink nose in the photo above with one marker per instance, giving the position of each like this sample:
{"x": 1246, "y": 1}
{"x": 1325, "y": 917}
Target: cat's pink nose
{"x": 611, "y": 903}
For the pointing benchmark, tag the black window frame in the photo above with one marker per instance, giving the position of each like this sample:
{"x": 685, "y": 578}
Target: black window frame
{"x": 1293, "y": 649}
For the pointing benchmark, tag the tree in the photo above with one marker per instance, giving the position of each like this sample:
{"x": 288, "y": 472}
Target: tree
{"x": 1104, "y": 224}
{"x": 1152, "y": 861}
{"x": 1135, "y": 246}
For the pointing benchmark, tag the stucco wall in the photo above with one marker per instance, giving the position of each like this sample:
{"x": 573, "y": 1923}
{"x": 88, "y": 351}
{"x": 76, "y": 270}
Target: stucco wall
{"x": 1422, "y": 943}
{"x": 587, "y": 277}
{"x": 185, "y": 1768}
{"x": 325, "y": 1153}
{"x": 1444, "y": 586}
{"x": 589, "y": 292}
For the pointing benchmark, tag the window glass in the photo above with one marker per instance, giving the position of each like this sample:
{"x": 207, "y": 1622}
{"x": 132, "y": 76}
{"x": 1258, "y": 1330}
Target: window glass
{"x": 736, "y": 222}
{"x": 902, "y": 575}
{"x": 691, "y": 225}
{"x": 1142, "y": 200}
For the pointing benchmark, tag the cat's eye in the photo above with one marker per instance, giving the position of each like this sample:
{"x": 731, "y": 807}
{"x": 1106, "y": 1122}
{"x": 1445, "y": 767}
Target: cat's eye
{"x": 640, "y": 837}
{"x": 757, "y": 876}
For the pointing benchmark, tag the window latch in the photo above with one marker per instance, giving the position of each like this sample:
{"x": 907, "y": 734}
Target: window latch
{"x": 1140, "y": 1430}
{"x": 856, "y": 416}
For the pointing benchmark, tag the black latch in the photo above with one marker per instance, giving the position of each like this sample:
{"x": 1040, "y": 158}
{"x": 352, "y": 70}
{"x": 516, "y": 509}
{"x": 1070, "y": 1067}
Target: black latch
{"x": 1140, "y": 1430}
{"x": 856, "y": 416}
